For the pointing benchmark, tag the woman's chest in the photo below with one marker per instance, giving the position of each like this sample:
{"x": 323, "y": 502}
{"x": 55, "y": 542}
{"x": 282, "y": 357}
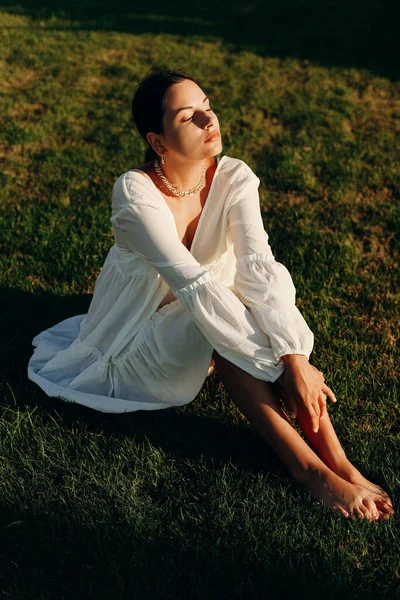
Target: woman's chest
{"x": 186, "y": 213}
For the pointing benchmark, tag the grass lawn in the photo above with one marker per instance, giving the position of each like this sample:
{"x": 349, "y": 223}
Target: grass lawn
{"x": 191, "y": 502}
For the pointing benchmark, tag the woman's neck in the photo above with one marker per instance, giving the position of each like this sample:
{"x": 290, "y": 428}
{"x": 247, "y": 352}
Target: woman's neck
{"x": 186, "y": 175}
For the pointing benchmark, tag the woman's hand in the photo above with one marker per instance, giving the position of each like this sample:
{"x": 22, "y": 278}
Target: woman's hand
{"x": 303, "y": 383}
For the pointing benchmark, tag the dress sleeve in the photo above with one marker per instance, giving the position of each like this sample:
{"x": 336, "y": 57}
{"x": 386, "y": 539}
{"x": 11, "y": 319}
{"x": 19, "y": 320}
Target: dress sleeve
{"x": 140, "y": 225}
{"x": 264, "y": 285}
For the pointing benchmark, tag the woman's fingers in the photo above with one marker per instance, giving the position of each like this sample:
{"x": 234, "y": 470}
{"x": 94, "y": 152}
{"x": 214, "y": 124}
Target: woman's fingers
{"x": 313, "y": 412}
{"x": 310, "y": 393}
{"x": 324, "y": 388}
{"x": 322, "y": 404}
{"x": 327, "y": 390}
{"x": 322, "y": 408}
{"x": 316, "y": 410}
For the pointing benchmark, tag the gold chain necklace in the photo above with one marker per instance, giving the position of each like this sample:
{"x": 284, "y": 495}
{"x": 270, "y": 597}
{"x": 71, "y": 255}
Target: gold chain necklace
{"x": 175, "y": 190}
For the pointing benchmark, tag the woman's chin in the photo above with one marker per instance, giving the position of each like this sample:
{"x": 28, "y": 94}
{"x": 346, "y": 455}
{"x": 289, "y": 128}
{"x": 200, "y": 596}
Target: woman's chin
{"x": 214, "y": 149}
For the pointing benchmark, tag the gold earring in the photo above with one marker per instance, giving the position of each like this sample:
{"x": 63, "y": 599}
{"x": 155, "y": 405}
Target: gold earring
{"x": 162, "y": 159}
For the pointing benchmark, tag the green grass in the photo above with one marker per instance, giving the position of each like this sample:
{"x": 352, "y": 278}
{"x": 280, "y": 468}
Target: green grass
{"x": 191, "y": 502}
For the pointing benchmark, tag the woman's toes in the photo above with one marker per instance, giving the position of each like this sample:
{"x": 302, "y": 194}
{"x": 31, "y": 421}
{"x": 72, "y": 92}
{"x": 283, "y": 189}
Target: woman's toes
{"x": 383, "y": 516}
{"x": 384, "y": 495}
{"x": 387, "y": 509}
{"x": 385, "y": 498}
{"x": 384, "y": 506}
{"x": 371, "y": 508}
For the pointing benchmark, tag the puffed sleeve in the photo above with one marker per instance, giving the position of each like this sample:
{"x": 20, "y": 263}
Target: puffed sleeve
{"x": 140, "y": 225}
{"x": 264, "y": 285}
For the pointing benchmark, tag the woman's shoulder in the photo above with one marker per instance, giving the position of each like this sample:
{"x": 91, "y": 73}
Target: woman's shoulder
{"x": 237, "y": 170}
{"x": 136, "y": 174}
{"x": 135, "y": 185}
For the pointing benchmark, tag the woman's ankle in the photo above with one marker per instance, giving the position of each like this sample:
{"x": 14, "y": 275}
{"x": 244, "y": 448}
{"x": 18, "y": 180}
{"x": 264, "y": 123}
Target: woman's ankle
{"x": 346, "y": 470}
{"x": 312, "y": 474}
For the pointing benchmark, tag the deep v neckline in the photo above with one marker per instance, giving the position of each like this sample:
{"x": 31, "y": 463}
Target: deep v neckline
{"x": 203, "y": 209}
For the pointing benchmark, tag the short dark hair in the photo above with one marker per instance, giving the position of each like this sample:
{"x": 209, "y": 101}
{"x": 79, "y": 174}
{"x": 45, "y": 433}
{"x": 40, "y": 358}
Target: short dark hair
{"x": 148, "y": 102}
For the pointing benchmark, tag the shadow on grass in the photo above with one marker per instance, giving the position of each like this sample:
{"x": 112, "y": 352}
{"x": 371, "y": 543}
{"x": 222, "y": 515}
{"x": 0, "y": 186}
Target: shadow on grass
{"x": 332, "y": 33}
{"x": 113, "y": 558}
{"x": 60, "y": 556}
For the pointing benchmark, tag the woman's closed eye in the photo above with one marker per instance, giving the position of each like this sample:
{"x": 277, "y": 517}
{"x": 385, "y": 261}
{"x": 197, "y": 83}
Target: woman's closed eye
{"x": 190, "y": 118}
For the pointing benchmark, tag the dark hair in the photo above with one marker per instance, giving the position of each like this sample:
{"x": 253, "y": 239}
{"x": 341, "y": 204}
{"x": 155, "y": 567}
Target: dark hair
{"x": 148, "y": 102}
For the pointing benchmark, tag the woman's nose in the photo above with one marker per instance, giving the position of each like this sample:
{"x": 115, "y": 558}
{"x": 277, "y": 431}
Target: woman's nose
{"x": 208, "y": 120}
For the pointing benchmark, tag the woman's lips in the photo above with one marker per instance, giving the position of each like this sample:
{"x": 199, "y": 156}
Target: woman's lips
{"x": 213, "y": 137}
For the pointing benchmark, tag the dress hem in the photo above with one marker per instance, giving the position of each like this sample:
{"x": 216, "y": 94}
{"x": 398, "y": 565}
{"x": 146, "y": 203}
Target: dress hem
{"x": 114, "y": 405}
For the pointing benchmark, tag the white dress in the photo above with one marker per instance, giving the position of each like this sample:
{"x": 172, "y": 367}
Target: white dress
{"x": 231, "y": 295}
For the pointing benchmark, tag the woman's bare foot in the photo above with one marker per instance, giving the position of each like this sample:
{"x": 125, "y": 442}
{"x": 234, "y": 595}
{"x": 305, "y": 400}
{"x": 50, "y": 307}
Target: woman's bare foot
{"x": 350, "y": 499}
{"x": 327, "y": 446}
{"x": 349, "y": 473}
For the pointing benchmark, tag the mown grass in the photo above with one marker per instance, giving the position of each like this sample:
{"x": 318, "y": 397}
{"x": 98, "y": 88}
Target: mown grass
{"x": 190, "y": 502}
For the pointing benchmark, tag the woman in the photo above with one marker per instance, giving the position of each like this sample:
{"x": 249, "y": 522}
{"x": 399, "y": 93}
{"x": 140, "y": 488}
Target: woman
{"x": 191, "y": 279}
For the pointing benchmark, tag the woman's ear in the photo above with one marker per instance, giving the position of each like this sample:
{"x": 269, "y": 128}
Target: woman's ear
{"x": 154, "y": 141}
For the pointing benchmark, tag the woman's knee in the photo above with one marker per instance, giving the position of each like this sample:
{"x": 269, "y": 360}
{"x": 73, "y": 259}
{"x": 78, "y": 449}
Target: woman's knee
{"x": 233, "y": 377}
{"x": 223, "y": 363}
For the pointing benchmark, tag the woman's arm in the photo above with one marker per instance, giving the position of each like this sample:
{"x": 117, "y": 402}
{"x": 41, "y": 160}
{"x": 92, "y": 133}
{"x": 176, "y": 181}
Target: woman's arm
{"x": 265, "y": 286}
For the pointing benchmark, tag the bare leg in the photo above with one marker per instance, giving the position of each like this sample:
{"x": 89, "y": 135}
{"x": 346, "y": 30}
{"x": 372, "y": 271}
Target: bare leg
{"x": 326, "y": 444}
{"x": 259, "y": 403}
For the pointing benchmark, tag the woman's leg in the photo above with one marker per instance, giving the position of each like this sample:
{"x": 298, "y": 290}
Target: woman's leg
{"x": 258, "y": 402}
{"x": 326, "y": 444}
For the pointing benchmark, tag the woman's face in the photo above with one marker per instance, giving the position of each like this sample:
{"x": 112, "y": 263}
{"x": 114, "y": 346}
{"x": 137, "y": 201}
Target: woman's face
{"x": 188, "y": 120}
